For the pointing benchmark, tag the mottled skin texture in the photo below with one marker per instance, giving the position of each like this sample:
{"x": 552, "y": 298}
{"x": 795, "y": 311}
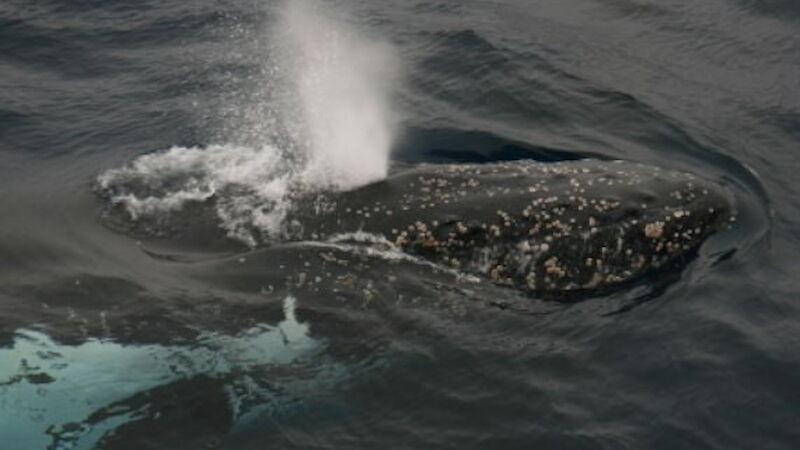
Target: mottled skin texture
{"x": 541, "y": 227}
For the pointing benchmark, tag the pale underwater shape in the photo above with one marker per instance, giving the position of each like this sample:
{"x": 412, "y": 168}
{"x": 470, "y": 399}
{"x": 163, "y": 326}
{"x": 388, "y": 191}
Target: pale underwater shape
{"x": 70, "y": 396}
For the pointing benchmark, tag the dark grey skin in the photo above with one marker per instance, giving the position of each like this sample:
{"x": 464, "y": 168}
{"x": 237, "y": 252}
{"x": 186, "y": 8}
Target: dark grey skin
{"x": 539, "y": 227}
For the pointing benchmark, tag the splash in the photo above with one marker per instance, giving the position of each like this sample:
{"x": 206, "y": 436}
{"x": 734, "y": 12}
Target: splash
{"x": 319, "y": 119}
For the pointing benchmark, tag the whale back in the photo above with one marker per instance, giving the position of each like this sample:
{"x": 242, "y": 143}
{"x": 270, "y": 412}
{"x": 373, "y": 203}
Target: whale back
{"x": 540, "y": 227}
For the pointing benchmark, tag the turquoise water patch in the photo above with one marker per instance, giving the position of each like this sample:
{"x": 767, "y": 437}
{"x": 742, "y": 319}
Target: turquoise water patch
{"x": 58, "y": 396}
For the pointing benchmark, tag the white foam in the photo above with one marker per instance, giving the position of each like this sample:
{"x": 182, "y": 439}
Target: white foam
{"x": 332, "y": 129}
{"x": 250, "y": 186}
{"x": 377, "y": 246}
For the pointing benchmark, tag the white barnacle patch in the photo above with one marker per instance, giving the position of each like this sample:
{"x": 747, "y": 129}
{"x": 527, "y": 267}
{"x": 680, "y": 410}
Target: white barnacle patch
{"x": 498, "y": 274}
{"x": 530, "y": 280}
{"x": 551, "y": 267}
{"x": 654, "y": 230}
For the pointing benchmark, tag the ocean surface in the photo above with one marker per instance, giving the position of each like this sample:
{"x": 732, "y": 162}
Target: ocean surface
{"x": 149, "y": 149}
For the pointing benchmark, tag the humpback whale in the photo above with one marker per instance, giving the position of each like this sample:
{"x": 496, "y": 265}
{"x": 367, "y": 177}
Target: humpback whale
{"x": 539, "y": 227}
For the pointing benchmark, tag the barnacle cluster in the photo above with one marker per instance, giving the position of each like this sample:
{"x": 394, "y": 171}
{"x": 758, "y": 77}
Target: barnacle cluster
{"x": 540, "y": 226}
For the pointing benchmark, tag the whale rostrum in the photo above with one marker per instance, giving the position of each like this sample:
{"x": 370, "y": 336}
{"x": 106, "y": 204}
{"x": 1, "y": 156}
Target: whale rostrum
{"x": 539, "y": 227}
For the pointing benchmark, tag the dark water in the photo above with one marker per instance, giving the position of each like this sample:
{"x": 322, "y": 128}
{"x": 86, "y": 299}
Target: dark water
{"x": 105, "y": 343}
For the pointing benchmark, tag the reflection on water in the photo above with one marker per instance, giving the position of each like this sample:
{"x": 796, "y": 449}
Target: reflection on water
{"x": 68, "y": 397}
